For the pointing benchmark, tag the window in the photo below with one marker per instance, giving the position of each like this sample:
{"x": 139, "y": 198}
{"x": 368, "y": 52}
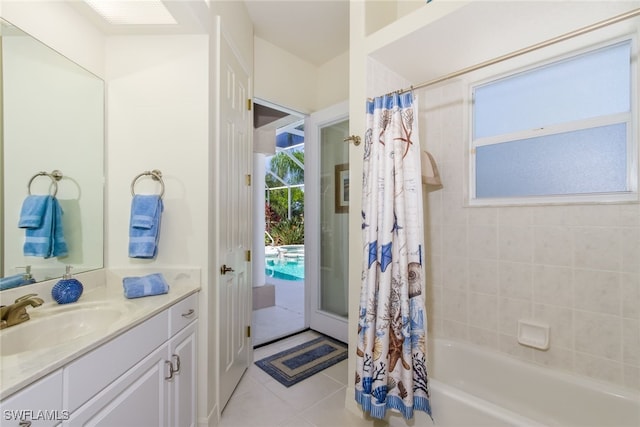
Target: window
{"x": 559, "y": 132}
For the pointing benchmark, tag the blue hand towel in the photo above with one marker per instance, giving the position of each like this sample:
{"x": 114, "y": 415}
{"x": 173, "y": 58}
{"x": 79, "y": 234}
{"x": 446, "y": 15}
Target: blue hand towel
{"x": 144, "y": 226}
{"x": 12, "y": 281}
{"x": 47, "y": 239}
{"x": 143, "y": 211}
{"x": 32, "y": 211}
{"x": 151, "y": 284}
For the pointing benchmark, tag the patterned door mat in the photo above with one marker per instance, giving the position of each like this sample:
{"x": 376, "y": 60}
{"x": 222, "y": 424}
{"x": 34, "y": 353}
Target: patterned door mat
{"x": 291, "y": 366}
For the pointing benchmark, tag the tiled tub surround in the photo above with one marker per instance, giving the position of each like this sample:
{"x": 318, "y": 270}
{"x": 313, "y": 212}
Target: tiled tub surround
{"x": 574, "y": 267}
{"x": 101, "y": 287}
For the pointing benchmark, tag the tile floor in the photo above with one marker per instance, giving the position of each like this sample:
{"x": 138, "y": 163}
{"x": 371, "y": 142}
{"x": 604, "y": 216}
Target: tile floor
{"x": 318, "y": 401}
{"x": 285, "y": 317}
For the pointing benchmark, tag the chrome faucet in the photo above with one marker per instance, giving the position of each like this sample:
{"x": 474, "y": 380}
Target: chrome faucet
{"x": 17, "y": 312}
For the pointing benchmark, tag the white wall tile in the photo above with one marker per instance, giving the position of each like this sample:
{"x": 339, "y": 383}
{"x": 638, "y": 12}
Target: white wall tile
{"x": 509, "y": 312}
{"x": 483, "y": 242}
{"x": 553, "y": 285}
{"x": 483, "y": 276}
{"x": 515, "y": 280}
{"x": 455, "y": 273}
{"x": 483, "y": 311}
{"x": 516, "y": 243}
{"x": 553, "y": 245}
{"x": 515, "y": 216}
{"x": 560, "y": 321}
{"x": 598, "y": 334}
{"x": 631, "y": 342}
{"x": 597, "y": 248}
{"x": 630, "y": 284}
{"x": 454, "y": 305}
{"x": 555, "y": 357}
{"x": 483, "y": 337}
{"x": 597, "y": 291}
{"x": 630, "y": 247}
{"x": 509, "y": 344}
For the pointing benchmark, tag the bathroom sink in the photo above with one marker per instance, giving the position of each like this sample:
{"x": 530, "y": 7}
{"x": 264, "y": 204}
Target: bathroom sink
{"x": 57, "y": 325}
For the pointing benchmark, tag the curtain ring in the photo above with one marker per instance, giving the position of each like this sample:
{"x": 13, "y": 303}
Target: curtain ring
{"x": 155, "y": 174}
{"x": 55, "y": 176}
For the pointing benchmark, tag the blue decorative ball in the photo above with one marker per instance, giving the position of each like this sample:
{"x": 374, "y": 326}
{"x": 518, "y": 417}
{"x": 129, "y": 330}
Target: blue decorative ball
{"x": 67, "y": 291}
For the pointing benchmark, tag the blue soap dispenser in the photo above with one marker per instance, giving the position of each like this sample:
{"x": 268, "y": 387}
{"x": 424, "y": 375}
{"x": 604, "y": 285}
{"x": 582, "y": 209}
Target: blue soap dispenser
{"x": 68, "y": 289}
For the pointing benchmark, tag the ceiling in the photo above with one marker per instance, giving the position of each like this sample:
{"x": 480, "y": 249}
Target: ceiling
{"x": 313, "y": 30}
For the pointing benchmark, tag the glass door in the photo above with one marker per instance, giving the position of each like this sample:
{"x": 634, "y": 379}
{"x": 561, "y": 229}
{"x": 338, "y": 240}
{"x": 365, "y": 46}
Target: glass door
{"x": 326, "y": 218}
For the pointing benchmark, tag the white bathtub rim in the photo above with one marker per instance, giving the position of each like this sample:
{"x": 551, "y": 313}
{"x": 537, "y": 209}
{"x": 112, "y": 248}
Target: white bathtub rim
{"x": 606, "y": 387}
{"x": 503, "y": 414}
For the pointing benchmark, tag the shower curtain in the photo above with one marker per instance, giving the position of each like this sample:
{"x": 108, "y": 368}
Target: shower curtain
{"x": 391, "y": 353}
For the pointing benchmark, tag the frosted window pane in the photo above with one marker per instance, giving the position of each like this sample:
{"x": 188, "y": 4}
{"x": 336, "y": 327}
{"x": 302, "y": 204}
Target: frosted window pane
{"x": 586, "y": 86}
{"x": 585, "y": 161}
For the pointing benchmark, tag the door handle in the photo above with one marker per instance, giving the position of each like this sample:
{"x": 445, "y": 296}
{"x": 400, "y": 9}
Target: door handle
{"x": 224, "y": 269}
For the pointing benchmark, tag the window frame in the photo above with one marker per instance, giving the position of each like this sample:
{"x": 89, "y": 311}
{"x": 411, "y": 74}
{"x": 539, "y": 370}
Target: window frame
{"x": 630, "y": 118}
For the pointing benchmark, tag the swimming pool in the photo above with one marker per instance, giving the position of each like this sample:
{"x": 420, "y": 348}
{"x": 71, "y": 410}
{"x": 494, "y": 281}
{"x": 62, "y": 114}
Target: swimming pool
{"x": 286, "y": 263}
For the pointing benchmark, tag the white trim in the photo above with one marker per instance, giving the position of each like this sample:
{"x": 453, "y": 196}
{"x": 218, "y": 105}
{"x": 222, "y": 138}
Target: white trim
{"x": 315, "y": 318}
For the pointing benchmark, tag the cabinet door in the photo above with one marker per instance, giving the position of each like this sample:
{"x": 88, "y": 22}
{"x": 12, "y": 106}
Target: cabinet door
{"x": 182, "y": 386}
{"x": 38, "y": 405}
{"x": 137, "y": 398}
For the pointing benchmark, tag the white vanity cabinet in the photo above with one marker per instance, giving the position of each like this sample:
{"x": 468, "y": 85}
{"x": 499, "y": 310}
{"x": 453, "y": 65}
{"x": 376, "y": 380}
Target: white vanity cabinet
{"x": 158, "y": 389}
{"x": 37, "y": 405}
{"x": 143, "y": 377}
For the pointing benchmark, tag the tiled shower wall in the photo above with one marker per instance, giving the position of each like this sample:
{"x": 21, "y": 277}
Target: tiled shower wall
{"x": 575, "y": 267}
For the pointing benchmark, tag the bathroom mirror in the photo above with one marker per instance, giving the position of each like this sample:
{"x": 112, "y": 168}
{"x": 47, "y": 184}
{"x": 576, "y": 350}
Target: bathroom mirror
{"x": 52, "y": 117}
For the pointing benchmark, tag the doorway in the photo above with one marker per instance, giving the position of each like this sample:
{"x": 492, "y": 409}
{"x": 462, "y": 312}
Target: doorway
{"x": 279, "y": 186}
{"x": 304, "y": 185}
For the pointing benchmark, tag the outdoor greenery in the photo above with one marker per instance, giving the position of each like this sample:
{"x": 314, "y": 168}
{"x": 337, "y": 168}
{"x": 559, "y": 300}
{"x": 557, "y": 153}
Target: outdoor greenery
{"x": 285, "y": 230}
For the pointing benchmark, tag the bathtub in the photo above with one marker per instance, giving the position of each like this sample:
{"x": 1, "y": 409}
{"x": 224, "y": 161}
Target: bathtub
{"x": 471, "y": 386}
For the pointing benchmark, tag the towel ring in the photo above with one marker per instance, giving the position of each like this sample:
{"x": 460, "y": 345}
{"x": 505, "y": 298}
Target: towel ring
{"x": 55, "y": 176}
{"x": 155, "y": 174}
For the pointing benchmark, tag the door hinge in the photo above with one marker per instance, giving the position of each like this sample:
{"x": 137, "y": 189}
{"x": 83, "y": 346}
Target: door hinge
{"x": 247, "y": 180}
{"x": 249, "y": 104}
{"x": 247, "y": 256}
{"x": 248, "y": 331}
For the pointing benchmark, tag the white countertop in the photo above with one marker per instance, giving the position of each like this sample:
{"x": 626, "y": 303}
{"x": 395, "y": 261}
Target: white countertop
{"x": 101, "y": 287}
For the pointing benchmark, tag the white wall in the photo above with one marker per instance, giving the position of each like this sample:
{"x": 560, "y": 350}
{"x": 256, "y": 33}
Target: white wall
{"x": 158, "y": 118}
{"x": 284, "y": 79}
{"x": 60, "y": 27}
{"x": 333, "y": 81}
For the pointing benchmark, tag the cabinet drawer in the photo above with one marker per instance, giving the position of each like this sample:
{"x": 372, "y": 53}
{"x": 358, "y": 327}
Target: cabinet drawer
{"x": 183, "y": 313}
{"x": 40, "y": 403}
{"x": 91, "y": 373}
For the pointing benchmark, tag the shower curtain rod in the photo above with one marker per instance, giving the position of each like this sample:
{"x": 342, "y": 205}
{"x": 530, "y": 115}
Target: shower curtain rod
{"x": 558, "y": 39}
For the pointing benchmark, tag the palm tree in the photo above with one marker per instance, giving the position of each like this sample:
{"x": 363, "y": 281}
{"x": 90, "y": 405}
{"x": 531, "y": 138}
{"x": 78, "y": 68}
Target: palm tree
{"x": 286, "y": 168}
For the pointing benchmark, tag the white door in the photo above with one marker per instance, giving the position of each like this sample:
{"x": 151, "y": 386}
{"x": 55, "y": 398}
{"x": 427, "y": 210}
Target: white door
{"x": 326, "y": 220}
{"x": 234, "y": 227}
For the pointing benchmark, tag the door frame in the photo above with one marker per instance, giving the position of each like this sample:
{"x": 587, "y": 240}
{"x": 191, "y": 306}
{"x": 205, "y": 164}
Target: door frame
{"x": 321, "y": 321}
